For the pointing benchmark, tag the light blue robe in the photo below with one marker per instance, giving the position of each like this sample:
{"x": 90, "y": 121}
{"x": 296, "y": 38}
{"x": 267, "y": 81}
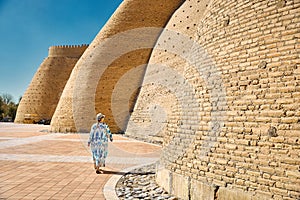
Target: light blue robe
{"x": 98, "y": 141}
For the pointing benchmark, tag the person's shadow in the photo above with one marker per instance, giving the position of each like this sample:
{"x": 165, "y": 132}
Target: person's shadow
{"x": 124, "y": 173}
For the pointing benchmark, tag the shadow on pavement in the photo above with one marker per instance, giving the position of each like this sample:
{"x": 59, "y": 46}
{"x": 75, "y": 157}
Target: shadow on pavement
{"x": 124, "y": 173}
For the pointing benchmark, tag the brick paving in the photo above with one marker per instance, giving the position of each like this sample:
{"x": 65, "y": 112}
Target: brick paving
{"x": 36, "y": 164}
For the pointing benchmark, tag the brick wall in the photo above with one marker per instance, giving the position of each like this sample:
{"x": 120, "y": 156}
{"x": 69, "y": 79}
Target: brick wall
{"x": 221, "y": 92}
{"x": 113, "y": 55}
{"x": 42, "y": 95}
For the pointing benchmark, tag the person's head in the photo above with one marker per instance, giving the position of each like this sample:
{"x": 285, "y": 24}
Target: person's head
{"x": 100, "y": 117}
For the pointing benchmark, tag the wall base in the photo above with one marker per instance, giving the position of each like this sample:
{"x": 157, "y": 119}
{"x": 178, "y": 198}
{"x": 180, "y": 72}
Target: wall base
{"x": 189, "y": 189}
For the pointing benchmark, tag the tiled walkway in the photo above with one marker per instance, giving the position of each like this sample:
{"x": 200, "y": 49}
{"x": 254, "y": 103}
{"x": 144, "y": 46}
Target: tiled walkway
{"x": 36, "y": 164}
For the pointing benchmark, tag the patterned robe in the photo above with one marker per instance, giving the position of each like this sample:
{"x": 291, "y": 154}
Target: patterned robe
{"x": 98, "y": 141}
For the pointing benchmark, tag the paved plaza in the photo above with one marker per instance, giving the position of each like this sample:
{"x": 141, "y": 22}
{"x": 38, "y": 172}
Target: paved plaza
{"x": 36, "y": 164}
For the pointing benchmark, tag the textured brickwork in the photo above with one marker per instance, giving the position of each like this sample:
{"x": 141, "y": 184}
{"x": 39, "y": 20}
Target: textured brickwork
{"x": 163, "y": 82}
{"x": 94, "y": 79}
{"x": 43, "y": 93}
{"x": 105, "y": 101}
{"x": 230, "y": 120}
{"x": 220, "y": 91}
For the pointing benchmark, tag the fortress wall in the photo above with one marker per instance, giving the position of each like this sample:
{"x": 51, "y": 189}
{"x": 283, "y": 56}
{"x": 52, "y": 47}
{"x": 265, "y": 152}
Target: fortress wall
{"x": 118, "y": 53}
{"x": 117, "y": 89}
{"x": 42, "y": 95}
{"x": 163, "y": 81}
{"x": 226, "y": 106}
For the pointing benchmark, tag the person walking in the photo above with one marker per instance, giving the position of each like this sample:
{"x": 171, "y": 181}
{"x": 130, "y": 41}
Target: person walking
{"x": 98, "y": 141}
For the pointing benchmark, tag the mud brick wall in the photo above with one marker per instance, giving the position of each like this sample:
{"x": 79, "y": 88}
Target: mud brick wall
{"x": 108, "y": 76}
{"x": 42, "y": 95}
{"x": 221, "y": 92}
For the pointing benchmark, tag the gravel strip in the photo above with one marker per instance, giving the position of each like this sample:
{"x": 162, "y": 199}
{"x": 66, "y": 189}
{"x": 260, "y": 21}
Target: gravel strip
{"x": 140, "y": 184}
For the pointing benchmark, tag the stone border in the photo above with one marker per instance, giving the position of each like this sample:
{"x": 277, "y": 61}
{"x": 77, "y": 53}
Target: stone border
{"x": 109, "y": 188}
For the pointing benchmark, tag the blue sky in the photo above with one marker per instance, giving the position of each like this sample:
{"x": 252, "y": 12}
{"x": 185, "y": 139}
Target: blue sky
{"x": 29, "y": 27}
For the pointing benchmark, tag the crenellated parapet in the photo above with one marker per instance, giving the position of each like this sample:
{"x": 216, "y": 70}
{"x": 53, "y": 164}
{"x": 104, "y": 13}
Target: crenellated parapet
{"x": 69, "y": 46}
{"x": 67, "y": 50}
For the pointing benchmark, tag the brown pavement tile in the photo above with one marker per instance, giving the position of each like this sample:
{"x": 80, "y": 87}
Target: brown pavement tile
{"x": 2, "y": 140}
{"x": 50, "y": 147}
{"x": 138, "y": 148}
{"x": 22, "y": 130}
{"x": 21, "y": 134}
{"x": 74, "y": 136}
{"x": 119, "y": 137}
{"x": 48, "y": 182}
{"x": 61, "y": 180}
{"x": 128, "y": 150}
